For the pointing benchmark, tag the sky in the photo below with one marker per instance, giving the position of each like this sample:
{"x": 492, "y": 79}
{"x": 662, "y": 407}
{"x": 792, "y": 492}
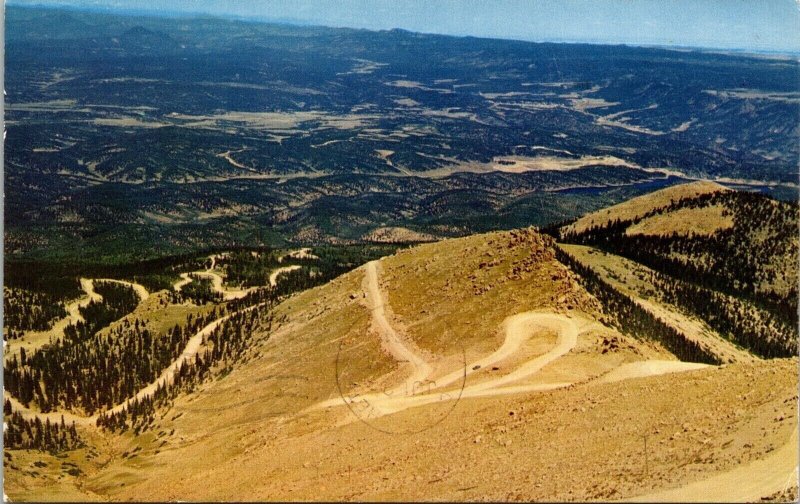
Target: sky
{"x": 760, "y": 25}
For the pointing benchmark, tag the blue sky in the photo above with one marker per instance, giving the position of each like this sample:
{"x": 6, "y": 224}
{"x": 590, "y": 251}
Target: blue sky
{"x": 739, "y": 24}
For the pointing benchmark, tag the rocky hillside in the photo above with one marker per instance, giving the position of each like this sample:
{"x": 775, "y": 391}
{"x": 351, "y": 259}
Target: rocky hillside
{"x": 460, "y": 370}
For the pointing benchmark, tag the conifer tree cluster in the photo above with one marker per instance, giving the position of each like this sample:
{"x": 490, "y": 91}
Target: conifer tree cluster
{"x": 632, "y": 319}
{"x": 35, "y": 297}
{"x": 754, "y": 262}
{"x": 117, "y": 301}
{"x": 224, "y": 346}
{"x": 90, "y": 370}
{"x": 23, "y": 434}
{"x": 12, "y": 334}
{"x": 199, "y": 291}
{"x": 97, "y": 371}
{"x": 250, "y": 270}
{"x": 25, "y": 310}
{"x": 139, "y": 415}
{"x": 740, "y": 321}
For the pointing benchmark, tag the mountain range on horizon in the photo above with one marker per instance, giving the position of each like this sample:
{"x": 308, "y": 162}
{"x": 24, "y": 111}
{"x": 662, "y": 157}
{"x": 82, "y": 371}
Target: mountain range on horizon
{"x": 305, "y": 14}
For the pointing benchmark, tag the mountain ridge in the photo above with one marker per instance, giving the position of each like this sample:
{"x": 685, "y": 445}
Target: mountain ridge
{"x": 460, "y": 348}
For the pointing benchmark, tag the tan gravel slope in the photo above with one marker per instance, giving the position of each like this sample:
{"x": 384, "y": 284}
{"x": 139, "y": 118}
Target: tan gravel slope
{"x": 527, "y": 395}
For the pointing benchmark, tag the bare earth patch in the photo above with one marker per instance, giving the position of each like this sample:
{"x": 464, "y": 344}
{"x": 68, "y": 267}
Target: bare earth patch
{"x": 703, "y": 221}
{"x": 522, "y": 164}
{"x": 397, "y": 235}
{"x": 128, "y": 122}
{"x": 641, "y": 205}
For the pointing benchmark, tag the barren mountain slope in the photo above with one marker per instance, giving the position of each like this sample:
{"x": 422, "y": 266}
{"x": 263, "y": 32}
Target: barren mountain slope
{"x": 641, "y": 205}
{"x": 702, "y": 221}
{"x": 507, "y": 352}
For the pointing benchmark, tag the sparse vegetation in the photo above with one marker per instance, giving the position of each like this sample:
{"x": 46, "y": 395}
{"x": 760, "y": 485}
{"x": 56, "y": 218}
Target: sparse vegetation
{"x": 741, "y": 279}
{"x": 634, "y": 320}
{"x": 194, "y": 156}
{"x": 22, "y": 434}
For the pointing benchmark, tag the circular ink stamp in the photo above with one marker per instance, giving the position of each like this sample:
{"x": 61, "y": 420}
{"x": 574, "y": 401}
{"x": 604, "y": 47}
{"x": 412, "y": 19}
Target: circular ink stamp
{"x": 369, "y": 406}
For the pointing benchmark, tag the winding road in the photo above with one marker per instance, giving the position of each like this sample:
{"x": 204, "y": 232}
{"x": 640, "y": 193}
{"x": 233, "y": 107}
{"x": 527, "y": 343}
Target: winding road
{"x": 34, "y": 340}
{"x": 193, "y": 345}
{"x": 518, "y": 329}
{"x": 390, "y": 340}
{"x": 303, "y": 253}
{"x": 273, "y": 277}
{"x": 191, "y": 349}
{"x": 137, "y": 288}
{"x": 216, "y": 282}
{"x": 231, "y": 294}
{"x": 419, "y": 389}
{"x": 185, "y": 280}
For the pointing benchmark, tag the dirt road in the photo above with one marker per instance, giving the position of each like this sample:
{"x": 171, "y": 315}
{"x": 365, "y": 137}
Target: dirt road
{"x": 184, "y": 281}
{"x": 746, "y": 483}
{"x": 273, "y": 277}
{"x": 390, "y": 339}
{"x": 519, "y": 328}
{"x": 54, "y": 417}
{"x": 231, "y": 294}
{"x": 418, "y": 390}
{"x": 216, "y": 284}
{"x": 138, "y": 288}
{"x": 649, "y": 368}
{"x": 33, "y": 340}
{"x": 303, "y": 253}
{"x": 189, "y": 351}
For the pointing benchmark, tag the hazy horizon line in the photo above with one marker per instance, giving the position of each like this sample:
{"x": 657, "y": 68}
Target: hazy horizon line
{"x": 290, "y": 21}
